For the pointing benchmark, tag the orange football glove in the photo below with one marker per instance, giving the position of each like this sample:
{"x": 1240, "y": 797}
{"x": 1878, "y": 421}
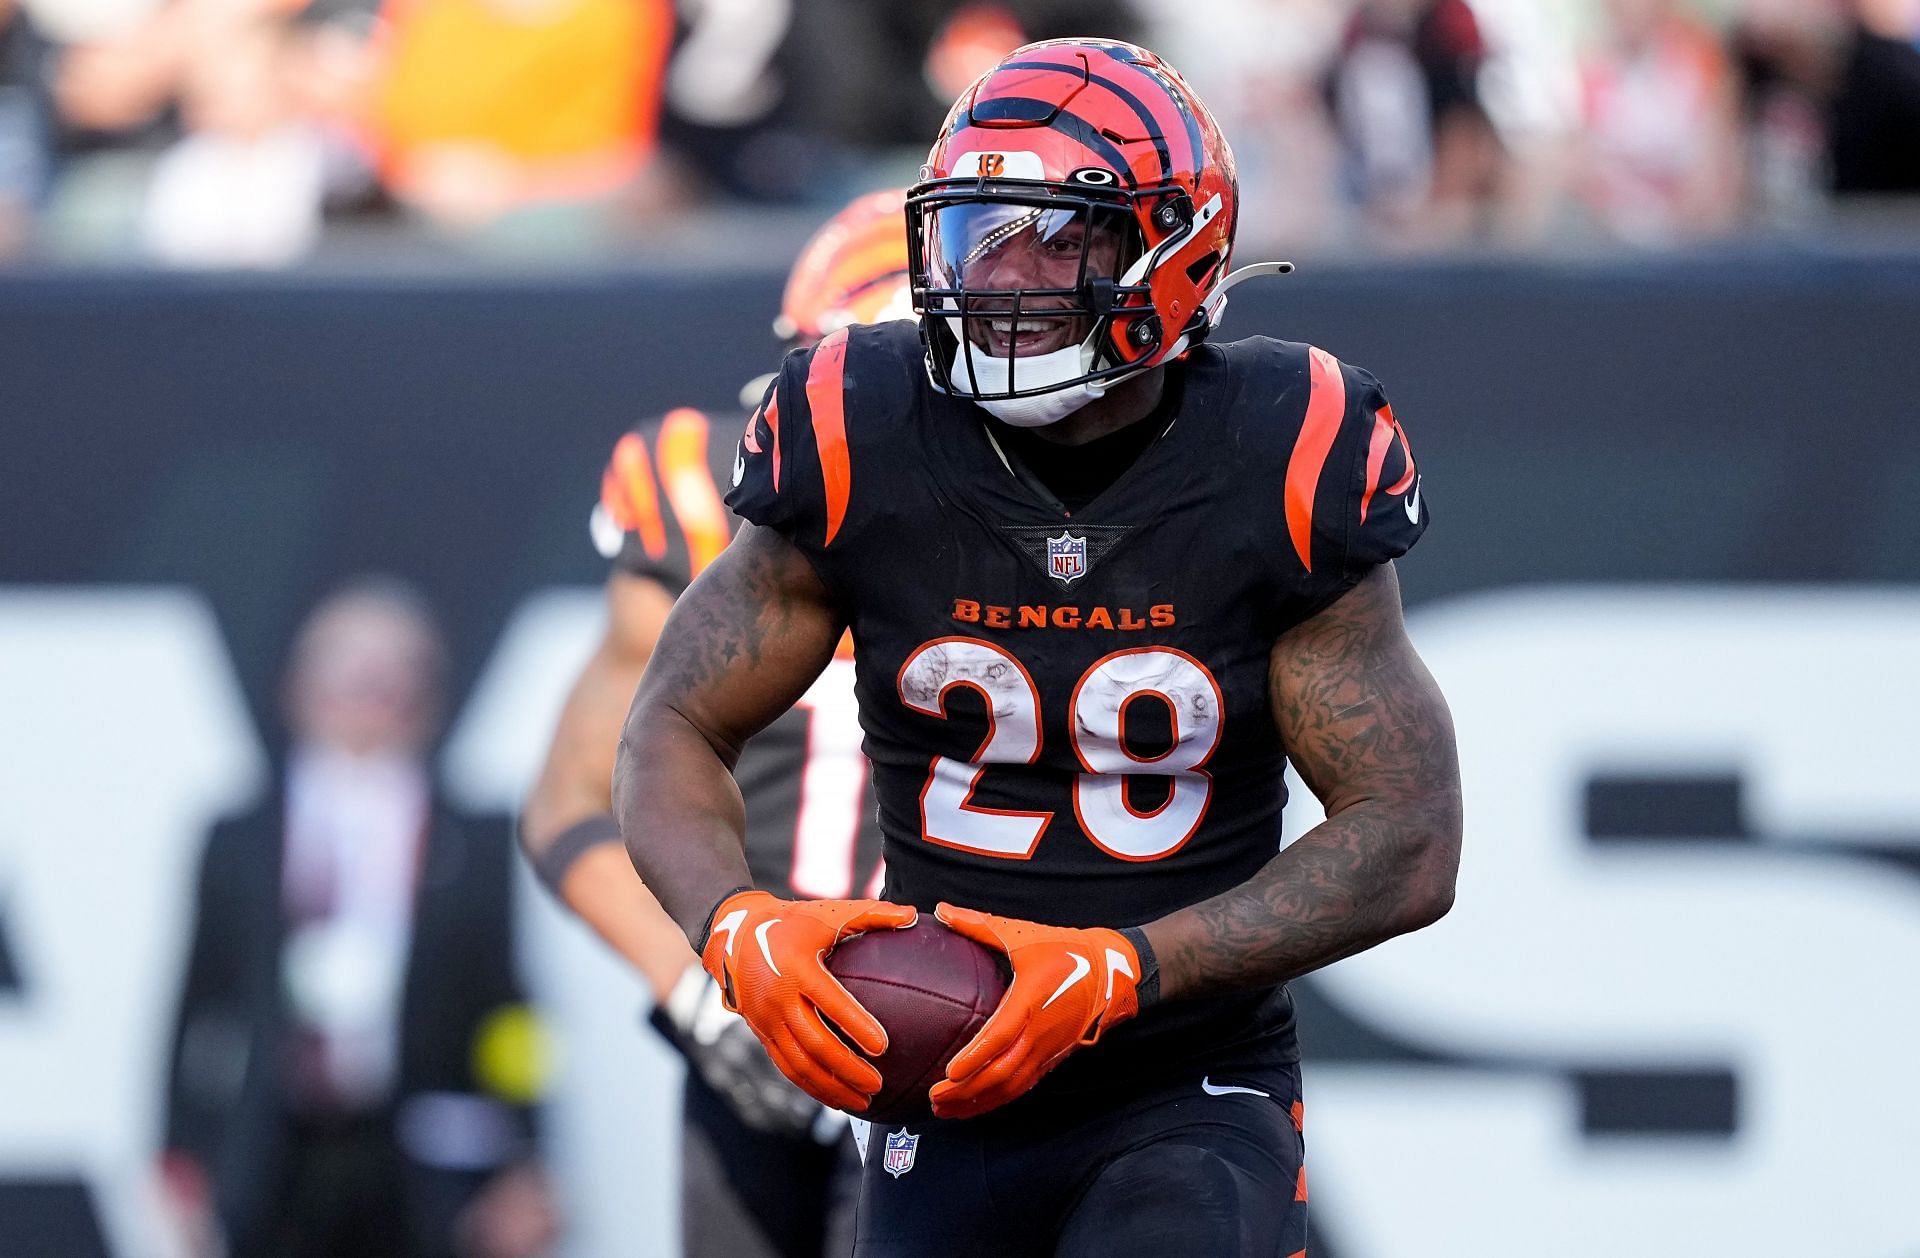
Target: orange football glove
{"x": 1068, "y": 987}
{"x": 768, "y": 955}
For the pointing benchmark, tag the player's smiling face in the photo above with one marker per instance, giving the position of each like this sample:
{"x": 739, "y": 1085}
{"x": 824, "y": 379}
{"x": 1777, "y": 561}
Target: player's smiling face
{"x": 997, "y": 251}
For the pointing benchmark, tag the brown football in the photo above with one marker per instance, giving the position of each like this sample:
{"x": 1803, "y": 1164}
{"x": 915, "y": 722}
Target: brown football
{"x": 932, "y": 990}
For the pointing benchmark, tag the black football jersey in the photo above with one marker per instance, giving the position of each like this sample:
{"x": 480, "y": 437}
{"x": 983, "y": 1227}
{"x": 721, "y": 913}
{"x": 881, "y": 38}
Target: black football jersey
{"x": 811, "y": 827}
{"x": 1068, "y": 715}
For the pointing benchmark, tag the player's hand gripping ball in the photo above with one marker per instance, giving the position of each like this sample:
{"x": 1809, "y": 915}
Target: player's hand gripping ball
{"x": 932, "y": 990}
{"x": 1069, "y": 986}
{"x": 768, "y": 956}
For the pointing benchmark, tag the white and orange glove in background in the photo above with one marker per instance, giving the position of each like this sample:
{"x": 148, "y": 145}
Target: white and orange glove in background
{"x": 769, "y": 957}
{"x": 729, "y": 1057}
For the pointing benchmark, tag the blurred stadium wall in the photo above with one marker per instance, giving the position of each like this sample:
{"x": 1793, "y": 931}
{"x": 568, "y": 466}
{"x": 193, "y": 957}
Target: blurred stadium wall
{"x": 1673, "y": 593}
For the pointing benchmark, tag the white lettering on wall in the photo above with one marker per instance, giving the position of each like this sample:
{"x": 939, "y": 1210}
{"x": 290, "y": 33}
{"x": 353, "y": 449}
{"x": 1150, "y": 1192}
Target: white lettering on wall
{"x": 123, "y": 735}
{"x": 1794, "y": 968}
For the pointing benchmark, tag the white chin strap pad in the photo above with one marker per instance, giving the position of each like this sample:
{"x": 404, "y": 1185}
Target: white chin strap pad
{"x": 1044, "y": 409}
{"x": 974, "y": 372}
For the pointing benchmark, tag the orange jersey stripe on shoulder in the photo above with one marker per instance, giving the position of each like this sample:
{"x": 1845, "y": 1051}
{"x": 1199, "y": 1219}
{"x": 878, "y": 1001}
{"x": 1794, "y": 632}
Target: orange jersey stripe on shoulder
{"x": 1377, "y": 446}
{"x": 690, "y": 489}
{"x": 626, "y": 491}
{"x": 1406, "y": 452}
{"x": 826, "y": 398}
{"x": 773, "y": 427}
{"x": 1326, "y": 406}
{"x": 751, "y": 437}
{"x": 1385, "y": 429}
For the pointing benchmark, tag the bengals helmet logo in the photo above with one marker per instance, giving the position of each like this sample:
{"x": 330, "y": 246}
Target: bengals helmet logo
{"x": 992, "y": 165}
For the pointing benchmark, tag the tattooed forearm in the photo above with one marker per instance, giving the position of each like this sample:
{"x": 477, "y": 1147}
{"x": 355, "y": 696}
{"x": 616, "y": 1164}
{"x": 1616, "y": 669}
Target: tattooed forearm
{"x": 742, "y": 645}
{"x": 1368, "y": 730}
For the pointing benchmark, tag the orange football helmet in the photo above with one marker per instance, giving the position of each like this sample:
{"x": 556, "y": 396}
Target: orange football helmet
{"x": 1096, "y": 162}
{"x": 853, "y": 270}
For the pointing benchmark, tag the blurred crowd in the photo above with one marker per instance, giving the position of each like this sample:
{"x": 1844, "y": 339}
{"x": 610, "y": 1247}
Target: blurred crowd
{"x": 251, "y": 133}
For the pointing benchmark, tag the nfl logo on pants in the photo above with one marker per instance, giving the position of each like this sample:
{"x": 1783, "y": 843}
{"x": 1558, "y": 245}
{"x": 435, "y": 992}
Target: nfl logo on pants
{"x": 900, "y": 1148}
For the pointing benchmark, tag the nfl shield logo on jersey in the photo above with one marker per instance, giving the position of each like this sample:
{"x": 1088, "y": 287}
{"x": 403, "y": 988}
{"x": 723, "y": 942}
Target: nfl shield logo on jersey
{"x": 900, "y": 1148}
{"x": 1066, "y": 557}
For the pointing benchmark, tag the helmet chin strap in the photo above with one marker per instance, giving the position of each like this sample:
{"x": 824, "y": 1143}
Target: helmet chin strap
{"x": 1043, "y": 409}
{"x": 984, "y": 373}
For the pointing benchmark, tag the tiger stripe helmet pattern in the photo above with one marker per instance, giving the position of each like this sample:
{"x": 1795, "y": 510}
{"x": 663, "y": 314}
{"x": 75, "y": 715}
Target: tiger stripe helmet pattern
{"x": 660, "y": 513}
{"x": 1097, "y": 127}
{"x": 853, "y": 270}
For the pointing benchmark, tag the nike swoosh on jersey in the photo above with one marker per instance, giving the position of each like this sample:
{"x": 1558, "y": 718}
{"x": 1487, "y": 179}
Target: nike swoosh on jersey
{"x": 1227, "y": 1089}
{"x": 1413, "y": 503}
{"x": 1081, "y": 968}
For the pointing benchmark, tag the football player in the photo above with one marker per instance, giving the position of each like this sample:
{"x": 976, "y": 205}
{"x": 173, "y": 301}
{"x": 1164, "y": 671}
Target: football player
{"x": 1105, "y": 577}
{"x": 765, "y": 1170}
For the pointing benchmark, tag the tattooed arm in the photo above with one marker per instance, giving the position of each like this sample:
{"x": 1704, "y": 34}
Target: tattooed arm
{"x": 742, "y": 645}
{"x": 1370, "y": 733}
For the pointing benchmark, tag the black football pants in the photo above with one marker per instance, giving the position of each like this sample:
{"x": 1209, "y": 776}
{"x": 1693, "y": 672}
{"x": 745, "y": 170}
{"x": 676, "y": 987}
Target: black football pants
{"x": 1208, "y": 1165}
{"x": 757, "y": 1194}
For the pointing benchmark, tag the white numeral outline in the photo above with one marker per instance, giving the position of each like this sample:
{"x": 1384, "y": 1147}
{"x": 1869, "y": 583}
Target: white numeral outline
{"x": 1013, "y": 737}
{"x": 1015, "y": 731}
{"x": 1100, "y": 803}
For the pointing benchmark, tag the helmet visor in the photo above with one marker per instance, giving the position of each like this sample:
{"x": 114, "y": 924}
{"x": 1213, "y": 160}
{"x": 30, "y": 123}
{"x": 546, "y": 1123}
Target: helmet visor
{"x": 1001, "y": 246}
{"x": 1018, "y": 273}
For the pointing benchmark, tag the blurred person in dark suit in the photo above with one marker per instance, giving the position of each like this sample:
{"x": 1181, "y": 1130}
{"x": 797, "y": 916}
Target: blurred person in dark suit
{"x": 354, "y": 1060}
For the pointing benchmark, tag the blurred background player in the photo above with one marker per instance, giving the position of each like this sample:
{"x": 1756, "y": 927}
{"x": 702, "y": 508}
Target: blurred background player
{"x": 347, "y": 1070}
{"x": 759, "y": 1157}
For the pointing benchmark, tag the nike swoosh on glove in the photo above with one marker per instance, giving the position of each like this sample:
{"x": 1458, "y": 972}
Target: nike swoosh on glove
{"x": 769, "y": 957}
{"x": 1068, "y": 987}
{"x": 719, "y": 1045}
